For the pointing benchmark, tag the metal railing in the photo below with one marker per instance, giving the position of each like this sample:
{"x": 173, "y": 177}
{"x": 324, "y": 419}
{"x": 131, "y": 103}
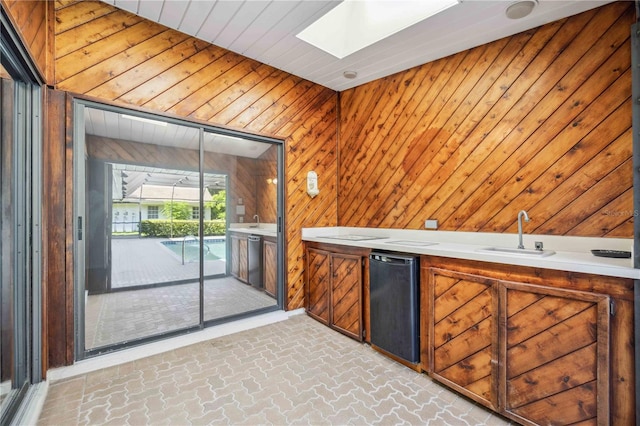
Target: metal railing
{"x": 125, "y": 226}
{"x": 192, "y": 238}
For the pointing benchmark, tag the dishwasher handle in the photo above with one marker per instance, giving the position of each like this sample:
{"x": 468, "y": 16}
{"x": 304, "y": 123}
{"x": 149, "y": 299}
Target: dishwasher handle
{"x": 379, "y": 257}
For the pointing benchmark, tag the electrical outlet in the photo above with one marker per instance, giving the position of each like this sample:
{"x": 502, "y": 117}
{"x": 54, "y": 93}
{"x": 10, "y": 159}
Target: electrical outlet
{"x": 431, "y": 224}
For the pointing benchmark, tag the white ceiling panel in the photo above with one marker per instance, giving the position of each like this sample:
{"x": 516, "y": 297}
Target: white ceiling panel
{"x": 149, "y": 10}
{"x": 195, "y": 16}
{"x": 217, "y": 20}
{"x": 266, "y": 31}
{"x": 113, "y": 125}
{"x": 243, "y": 19}
{"x": 263, "y": 26}
{"x": 172, "y": 12}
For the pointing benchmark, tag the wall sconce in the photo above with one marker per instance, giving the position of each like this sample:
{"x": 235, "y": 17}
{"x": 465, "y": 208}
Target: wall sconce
{"x": 312, "y": 184}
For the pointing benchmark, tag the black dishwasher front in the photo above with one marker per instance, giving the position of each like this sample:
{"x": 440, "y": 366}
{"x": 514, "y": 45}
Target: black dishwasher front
{"x": 394, "y": 304}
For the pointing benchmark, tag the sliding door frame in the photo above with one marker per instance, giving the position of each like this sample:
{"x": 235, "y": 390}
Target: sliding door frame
{"x": 79, "y": 234}
{"x": 26, "y": 242}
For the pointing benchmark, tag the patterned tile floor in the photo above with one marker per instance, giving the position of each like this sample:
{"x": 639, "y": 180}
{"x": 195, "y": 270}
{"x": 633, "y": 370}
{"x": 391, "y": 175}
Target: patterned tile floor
{"x": 123, "y": 316}
{"x": 292, "y": 372}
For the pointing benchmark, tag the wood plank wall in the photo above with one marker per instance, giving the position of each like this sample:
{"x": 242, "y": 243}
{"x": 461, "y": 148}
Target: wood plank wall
{"x": 539, "y": 121}
{"x": 114, "y": 56}
{"x": 34, "y": 22}
{"x": 247, "y": 177}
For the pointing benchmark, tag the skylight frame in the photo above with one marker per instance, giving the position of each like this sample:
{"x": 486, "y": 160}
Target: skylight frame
{"x": 356, "y": 24}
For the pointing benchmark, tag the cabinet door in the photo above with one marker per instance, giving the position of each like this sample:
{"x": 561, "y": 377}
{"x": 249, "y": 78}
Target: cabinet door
{"x": 463, "y": 347}
{"x": 346, "y": 294}
{"x": 556, "y": 355}
{"x": 243, "y": 259}
{"x": 317, "y": 288}
{"x": 270, "y": 267}
{"x": 235, "y": 256}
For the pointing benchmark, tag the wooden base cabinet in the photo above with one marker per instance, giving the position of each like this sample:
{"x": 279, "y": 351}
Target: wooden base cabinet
{"x": 270, "y": 265}
{"x": 554, "y": 349}
{"x": 334, "y": 290}
{"x": 538, "y": 354}
{"x": 463, "y": 330}
{"x": 239, "y": 256}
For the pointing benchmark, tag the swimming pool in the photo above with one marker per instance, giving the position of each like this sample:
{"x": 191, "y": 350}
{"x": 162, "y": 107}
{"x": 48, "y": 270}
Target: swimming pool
{"x": 214, "y": 248}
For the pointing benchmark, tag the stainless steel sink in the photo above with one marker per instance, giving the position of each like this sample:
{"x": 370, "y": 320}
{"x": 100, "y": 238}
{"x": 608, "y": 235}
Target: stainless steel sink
{"x": 411, "y": 243}
{"x": 518, "y": 252}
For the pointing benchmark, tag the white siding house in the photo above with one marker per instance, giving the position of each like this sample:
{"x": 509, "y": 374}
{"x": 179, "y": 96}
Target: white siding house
{"x": 147, "y": 202}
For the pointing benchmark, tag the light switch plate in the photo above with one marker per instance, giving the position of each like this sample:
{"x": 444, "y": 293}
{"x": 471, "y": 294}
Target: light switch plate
{"x": 431, "y": 224}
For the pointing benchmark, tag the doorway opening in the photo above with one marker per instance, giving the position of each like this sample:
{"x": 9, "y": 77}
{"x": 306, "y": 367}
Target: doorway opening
{"x": 157, "y": 202}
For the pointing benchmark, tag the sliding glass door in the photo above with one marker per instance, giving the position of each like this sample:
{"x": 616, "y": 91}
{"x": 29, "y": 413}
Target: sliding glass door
{"x": 20, "y": 199}
{"x": 155, "y": 203}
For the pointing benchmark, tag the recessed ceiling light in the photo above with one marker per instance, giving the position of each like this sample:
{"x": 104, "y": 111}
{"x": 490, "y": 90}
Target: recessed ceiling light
{"x": 355, "y": 24}
{"x": 350, "y": 74}
{"x": 520, "y": 9}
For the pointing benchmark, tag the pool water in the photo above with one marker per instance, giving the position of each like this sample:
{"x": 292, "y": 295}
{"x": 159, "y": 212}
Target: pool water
{"x": 214, "y": 249}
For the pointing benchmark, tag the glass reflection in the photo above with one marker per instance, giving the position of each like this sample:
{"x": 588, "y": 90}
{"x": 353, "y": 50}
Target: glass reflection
{"x": 251, "y": 212}
{"x": 169, "y": 246}
{"x": 7, "y": 319}
{"x": 143, "y": 227}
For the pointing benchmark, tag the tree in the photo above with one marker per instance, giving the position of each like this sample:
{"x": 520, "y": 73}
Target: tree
{"x": 218, "y": 204}
{"x": 176, "y": 210}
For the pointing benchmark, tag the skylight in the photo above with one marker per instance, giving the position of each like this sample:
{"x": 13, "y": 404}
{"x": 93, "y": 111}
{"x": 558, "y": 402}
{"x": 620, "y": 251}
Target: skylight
{"x": 356, "y": 24}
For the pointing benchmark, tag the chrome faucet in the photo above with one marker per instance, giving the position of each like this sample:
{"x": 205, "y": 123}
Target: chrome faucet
{"x": 257, "y": 218}
{"x": 526, "y": 218}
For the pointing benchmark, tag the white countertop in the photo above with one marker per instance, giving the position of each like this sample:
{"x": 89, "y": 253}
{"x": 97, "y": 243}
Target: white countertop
{"x": 264, "y": 229}
{"x": 571, "y": 253}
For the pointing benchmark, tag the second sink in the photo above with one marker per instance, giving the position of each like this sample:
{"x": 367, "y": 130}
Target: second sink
{"x": 519, "y": 252}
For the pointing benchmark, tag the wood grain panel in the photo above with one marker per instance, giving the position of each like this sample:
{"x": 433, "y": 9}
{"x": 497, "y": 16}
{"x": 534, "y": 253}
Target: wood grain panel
{"x": 567, "y": 295}
{"x": 463, "y": 334}
{"x": 57, "y": 289}
{"x": 270, "y": 272}
{"x": 243, "y": 261}
{"x": 346, "y": 294}
{"x": 558, "y": 359}
{"x": 34, "y": 21}
{"x": 538, "y": 121}
{"x": 553, "y": 378}
{"x": 114, "y": 56}
{"x": 557, "y": 341}
{"x": 318, "y": 278}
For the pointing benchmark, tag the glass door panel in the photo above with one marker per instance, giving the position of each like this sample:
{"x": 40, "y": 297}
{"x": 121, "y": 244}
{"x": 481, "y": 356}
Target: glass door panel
{"x": 142, "y": 216}
{"x": 249, "y": 284}
{"x": 9, "y": 382}
{"x": 169, "y": 210}
{"x": 15, "y": 244}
